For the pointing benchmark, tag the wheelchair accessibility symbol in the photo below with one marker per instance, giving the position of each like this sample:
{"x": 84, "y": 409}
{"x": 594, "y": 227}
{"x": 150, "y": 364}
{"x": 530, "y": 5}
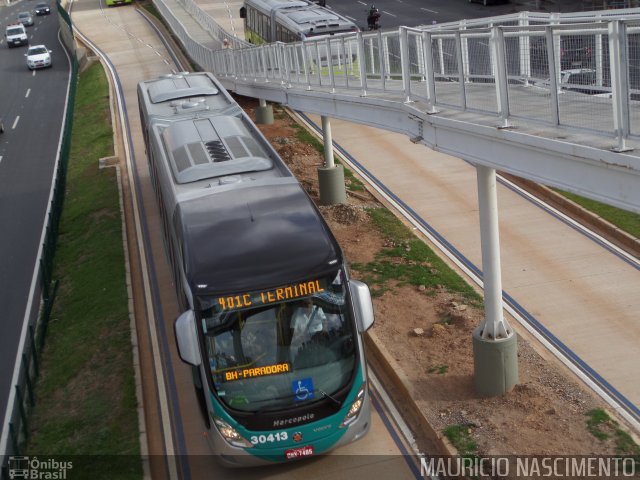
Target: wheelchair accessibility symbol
{"x": 303, "y": 389}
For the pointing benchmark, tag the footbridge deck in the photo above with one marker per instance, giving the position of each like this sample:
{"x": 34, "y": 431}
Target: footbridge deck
{"x": 499, "y": 92}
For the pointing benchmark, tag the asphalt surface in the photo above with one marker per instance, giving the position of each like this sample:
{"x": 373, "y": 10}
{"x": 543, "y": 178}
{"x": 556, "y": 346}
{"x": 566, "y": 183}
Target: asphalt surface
{"x": 32, "y": 106}
{"x": 411, "y": 13}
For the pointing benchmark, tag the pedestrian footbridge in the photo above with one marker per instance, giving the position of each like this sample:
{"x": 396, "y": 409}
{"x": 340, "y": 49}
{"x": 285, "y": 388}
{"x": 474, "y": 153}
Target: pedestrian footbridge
{"x": 549, "y": 97}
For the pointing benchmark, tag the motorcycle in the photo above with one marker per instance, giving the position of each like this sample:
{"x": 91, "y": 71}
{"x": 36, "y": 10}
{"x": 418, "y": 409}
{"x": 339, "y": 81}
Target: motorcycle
{"x": 373, "y": 20}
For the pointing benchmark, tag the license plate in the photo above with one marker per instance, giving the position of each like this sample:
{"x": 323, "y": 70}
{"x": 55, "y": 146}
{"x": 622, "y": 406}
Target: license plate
{"x": 299, "y": 452}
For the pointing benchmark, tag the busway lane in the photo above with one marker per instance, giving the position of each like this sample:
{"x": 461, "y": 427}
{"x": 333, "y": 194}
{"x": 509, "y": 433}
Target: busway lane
{"x": 135, "y": 57}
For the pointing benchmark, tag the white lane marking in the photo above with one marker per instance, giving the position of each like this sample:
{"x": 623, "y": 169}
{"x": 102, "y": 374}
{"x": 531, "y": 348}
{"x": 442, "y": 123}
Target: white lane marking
{"x": 28, "y": 92}
{"x": 351, "y": 18}
{"x": 33, "y": 72}
{"x": 0, "y": 158}
{"x": 390, "y": 14}
{"x": 427, "y": 10}
{"x": 362, "y": 3}
{"x": 15, "y": 122}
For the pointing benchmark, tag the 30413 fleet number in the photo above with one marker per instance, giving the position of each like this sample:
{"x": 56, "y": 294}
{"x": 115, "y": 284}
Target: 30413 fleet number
{"x": 272, "y": 437}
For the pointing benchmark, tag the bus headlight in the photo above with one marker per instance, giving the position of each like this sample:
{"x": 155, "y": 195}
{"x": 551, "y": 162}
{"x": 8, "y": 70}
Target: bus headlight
{"x": 230, "y": 434}
{"x": 352, "y": 414}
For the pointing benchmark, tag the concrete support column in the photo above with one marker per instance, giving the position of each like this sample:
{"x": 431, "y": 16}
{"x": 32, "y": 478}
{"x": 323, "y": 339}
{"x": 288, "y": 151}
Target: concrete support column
{"x": 330, "y": 176}
{"x": 328, "y": 142}
{"x": 264, "y": 113}
{"x": 495, "y": 348}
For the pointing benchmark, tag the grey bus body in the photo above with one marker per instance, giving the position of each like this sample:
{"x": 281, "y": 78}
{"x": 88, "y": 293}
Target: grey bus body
{"x": 218, "y": 176}
{"x": 293, "y": 20}
{"x": 236, "y": 220}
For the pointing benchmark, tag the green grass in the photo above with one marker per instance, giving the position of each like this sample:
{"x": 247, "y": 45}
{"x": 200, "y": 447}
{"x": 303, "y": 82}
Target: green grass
{"x": 304, "y": 136}
{"x": 460, "y": 437}
{"x": 597, "y": 419}
{"x": 439, "y": 369}
{"x": 624, "y": 220}
{"x": 86, "y": 402}
{"x": 409, "y": 261}
{"x": 604, "y": 428}
{"x": 150, "y": 7}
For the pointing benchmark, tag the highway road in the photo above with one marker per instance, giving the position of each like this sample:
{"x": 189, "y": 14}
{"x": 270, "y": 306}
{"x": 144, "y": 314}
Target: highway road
{"x": 32, "y": 106}
{"x": 411, "y": 13}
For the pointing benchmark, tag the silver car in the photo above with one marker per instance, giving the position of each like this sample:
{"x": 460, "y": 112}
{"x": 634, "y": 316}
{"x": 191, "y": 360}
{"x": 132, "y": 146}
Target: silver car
{"x": 26, "y": 19}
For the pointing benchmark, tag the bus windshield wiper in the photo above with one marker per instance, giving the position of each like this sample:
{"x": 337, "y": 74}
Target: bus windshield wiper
{"x": 326, "y": 395}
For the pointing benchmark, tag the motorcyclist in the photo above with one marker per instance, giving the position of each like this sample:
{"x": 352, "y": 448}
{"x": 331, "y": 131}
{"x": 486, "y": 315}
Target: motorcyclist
{"x": 373, "y": 17}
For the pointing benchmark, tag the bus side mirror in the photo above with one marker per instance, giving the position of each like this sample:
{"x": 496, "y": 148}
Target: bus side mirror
{"x": 362, "y": 304}
{"x": 243, "y": 12}
{"x": 187, "y": 338}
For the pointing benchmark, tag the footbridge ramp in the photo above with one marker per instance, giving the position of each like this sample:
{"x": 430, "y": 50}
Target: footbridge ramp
{"x": 548, "y": 97}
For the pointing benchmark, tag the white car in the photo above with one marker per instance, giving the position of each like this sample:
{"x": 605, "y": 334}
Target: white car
{"x": 38, "y": 56}
{"x": 16, "y": 35}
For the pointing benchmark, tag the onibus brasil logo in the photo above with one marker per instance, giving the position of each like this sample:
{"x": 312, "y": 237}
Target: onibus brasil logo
{"x": 40, "y": 469}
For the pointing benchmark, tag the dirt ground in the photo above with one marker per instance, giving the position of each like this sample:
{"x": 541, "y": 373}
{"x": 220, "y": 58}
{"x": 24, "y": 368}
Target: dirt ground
{"x": 544, "y": 414}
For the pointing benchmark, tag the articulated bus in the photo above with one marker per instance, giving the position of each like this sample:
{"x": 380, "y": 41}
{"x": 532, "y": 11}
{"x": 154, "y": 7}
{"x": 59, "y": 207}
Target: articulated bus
{"x": 268, "y": 21}
{"x": 272, "y": 323}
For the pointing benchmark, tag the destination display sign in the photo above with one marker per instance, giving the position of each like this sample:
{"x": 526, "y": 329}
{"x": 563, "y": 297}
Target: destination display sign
{"x": 274, "y": 295}
{"x": 246, "y": 373}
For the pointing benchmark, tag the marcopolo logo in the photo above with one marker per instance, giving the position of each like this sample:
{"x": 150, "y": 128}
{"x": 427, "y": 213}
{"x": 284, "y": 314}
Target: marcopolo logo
{"x": 40, "y": 469}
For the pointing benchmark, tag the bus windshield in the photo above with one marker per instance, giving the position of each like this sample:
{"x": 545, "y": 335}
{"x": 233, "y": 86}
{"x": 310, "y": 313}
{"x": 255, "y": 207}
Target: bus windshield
{"x": 274, "y": 349}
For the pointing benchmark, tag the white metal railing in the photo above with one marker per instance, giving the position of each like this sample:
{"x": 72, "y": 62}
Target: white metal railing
{"x": 580, "y": 70}
{"x": 542, "y": 73}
